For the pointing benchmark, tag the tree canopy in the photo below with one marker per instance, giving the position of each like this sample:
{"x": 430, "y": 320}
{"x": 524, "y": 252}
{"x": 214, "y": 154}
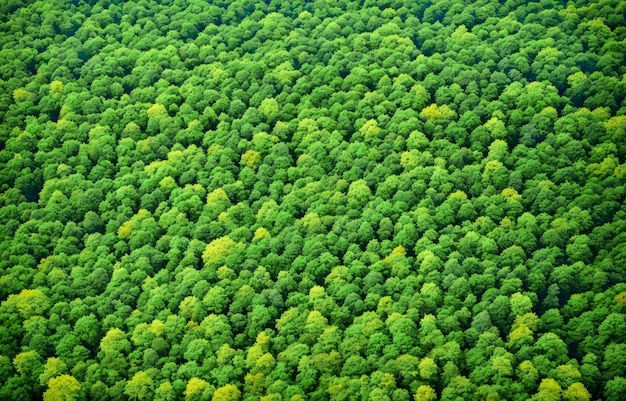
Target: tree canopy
{"x": 312, "y": 200}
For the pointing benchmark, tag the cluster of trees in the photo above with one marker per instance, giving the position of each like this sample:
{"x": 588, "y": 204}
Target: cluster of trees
{"x": 292, "y": 200}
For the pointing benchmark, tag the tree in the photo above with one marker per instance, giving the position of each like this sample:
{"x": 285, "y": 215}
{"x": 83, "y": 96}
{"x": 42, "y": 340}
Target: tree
{"x": 425, "y": 393}
{"x": 28, "y": 364}
{"x": 156, "y": 111}
{"x": 270, "y": 108}
{"x": 576, "y": 392}
{"x": 283, "y": 200}
{"x": 29, "y": 302}
{"x": 165, "y": 392}
{"x": 614, "y": 388}
{"x": 140, "y": 387}
{"x": 198, "y": 389}
{"x": 548, "y": 390}
{"x": 358, "y": 194}
{"x": 427, "y": 368}
{"x": 459, "y": 387}
{"x": 217, "y": 250}
{"x": 520, "y": 304}
{"x": 62, "y": 388}
{"x": 434, "y": 112}
{"x": 227, "y": 393}
{"x": 54, "y": 367}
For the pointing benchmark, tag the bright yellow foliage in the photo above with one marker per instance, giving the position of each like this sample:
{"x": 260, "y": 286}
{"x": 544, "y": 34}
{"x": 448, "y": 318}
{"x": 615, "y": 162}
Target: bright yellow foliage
{"x": 529, "y": 319}
{"x": 218, "y": 196}
{"x": 165, "y": 391}
{"x": 24, "y": 360}
{"x": 522, "y": 332}
{"x": 549, "y": 390}
{"x": 223, "y": 217}
{"x": 156, "y": 110}
{"x": 175, "y": 156}
{"x": 251, "y": 158}
{"x": 398, "y": 251}
{"x": 576, "y": 392}
{"x": 491, "y": 166}
{"x": 527, "y": 368}
{"x": 224, "y": 354}
{"x": 458, "y": 195}
{"x": 616, "y": 127}
{"x": 607, "y": 167}
{"x": 140, "y": 386}
{"x": 113, "y": 341}
{"x": 168, "y": 183}
{"x": 317, "y": 292}
{"x": 217, "y": 250}
{"x": 157, "y": 327}
{"x": 410, "y": 159}
{"x": 370, "y": 128}
{"x": 620, "y": 298}
{"x": 253, "y": 382}
{"x": 56, "y": 88}
{"x": 511, "y": 195}
{"x": 265, "y": 363}
{"x": 196, "y": 388}
{"x": 225, "y": 273}
{"x": 496, "y": 128}
{"x": 269, "y": 107}
{"x": 425, "y": 393}
{"x": 312, "y": 222}
{"x": 54, "y": 367}
{"x": 434, "y": 112}
{"x": 124, "y": 230}
{"x": 276, "y": 397}
{"x": 502, "y": 365}
{"x": 62, "y": 388}
{"x": 261, "y": 233}
{"x": 428, "y": 368}
{"x": 21, "y": 95}
{"x": 29, "y": 302}
{"x": 229, "y": 392}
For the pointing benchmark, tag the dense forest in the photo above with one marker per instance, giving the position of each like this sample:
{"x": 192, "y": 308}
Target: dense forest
{"x": 313, "y": 200}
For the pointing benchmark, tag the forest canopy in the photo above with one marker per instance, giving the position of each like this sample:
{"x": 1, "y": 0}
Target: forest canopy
{"x": 312, "y": 200}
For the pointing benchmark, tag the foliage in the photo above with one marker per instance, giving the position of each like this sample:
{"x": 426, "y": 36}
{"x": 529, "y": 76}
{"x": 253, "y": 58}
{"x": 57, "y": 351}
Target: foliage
{"x": 238, "y": 200}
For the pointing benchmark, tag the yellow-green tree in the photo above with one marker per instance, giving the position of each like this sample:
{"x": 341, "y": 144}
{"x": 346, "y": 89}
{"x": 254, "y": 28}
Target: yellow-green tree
{"x": 425, "y": 393}
{"x": 576, "y": 392}
{"x": 29, "y": 302}
{"x": 62, "y": 388}
{"x": 229, "y": 392}
{"x": 54, "y": 367}
{"x": 217, "y": 250}
{"x": 140, "y": 386}
{"x": 198, "y": 389}
{"x": 435, "y": 112}
{"x": 549, "y": 390}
